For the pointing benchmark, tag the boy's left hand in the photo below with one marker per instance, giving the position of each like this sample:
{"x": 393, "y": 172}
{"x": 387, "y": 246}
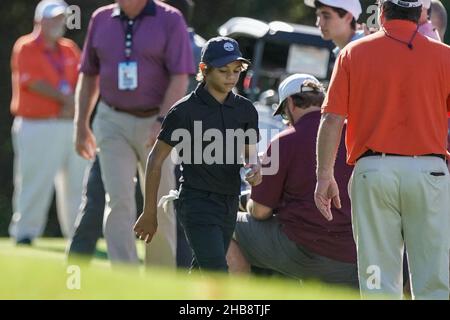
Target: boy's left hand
{"x": 253, "y": 176}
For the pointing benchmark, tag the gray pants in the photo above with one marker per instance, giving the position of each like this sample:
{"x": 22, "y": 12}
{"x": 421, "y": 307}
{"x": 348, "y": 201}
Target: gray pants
{"x": 122, "y": 140}
{"x": 89, "y": 222}
{"x": 265, "y": 245}
{"x": 44, "y": 159}
{"x": 398, "y": 201}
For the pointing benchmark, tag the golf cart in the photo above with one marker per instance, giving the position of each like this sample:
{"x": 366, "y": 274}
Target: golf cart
{"x": 278, "y": 49}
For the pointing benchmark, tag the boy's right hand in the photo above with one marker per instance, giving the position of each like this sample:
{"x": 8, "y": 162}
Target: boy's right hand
{"x": 253, "y": 174}
{"x": 145, "y": 227}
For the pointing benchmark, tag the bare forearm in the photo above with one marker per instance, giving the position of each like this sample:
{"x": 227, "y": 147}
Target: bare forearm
{"x": 147, "y": 223}
{"x": 258, "y": 211}
{"x": 328, "y": 140}
{"x": 86, "y": 95}
{"x": 175, "y": 91}
{"x": 251, "y": 154}
{"x": 153, "y": 169}
{"x": 152, "y": 180}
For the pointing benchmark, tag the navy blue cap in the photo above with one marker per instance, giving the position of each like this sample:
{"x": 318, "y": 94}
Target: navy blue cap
{"x": 220, "y": 51}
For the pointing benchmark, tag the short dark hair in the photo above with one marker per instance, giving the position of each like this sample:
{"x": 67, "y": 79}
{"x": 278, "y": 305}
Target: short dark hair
{"x": 201, "y": 78}
{"x": 341, "y": 12}
{"x": 308, "y": 99}
{"x": 186, "y": 8}
{"x": 393, "y": 11}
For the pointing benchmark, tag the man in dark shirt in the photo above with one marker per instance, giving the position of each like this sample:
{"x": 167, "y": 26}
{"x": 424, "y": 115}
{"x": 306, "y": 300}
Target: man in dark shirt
{"x": 283, "y": 231}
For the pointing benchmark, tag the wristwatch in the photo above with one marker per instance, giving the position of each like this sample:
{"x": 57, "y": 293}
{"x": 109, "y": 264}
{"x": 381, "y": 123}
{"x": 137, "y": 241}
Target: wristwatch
{"x": 160, "y": 119}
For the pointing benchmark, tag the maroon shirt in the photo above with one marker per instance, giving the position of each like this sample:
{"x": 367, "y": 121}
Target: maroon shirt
{"x": 161, "y": 47}
{"x": 291, "y": 194}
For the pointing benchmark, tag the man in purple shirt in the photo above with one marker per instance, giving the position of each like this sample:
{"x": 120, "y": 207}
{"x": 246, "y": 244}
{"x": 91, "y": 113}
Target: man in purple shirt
{"x": 137, "y": 57}
{"x": 283, "y": 231}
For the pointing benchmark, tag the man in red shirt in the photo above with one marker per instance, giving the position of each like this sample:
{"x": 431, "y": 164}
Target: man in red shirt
{"x": 44, "y": 74}
{"x": 393, "y": 87}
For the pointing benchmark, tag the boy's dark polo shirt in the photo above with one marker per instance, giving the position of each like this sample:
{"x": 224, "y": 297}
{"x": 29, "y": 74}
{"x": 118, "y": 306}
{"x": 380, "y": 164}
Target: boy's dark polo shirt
{"x": 236, "y": 112}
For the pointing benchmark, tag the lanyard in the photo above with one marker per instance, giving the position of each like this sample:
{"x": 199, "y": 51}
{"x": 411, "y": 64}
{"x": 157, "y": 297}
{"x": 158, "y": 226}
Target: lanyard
{"x": 56, "y": 62}
{"x": 409, "y": 44}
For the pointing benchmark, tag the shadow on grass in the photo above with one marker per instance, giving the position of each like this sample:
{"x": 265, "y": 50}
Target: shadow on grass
{"x": 98, "y": 254}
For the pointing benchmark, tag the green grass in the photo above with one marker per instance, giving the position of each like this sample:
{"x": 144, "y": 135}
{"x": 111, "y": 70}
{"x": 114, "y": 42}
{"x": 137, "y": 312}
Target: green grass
{"x": 41, "y": 272}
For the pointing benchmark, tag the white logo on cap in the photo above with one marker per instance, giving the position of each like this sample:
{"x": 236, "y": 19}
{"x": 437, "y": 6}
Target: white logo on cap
{"x": 228, "y": 46}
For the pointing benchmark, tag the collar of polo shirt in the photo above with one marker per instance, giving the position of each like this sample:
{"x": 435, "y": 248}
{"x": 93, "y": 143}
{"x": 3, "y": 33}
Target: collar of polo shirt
{"x": 230, "y": 101}
{"x": 149, "y": 10}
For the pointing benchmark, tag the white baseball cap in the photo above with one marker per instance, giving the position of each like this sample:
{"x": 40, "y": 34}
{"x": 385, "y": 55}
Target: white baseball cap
{"x": 426, "y": 4}
{"x": 407, "y": 4}
{"x": 295, "y": 84}
{"x": 47, "y": 9}
{"x": 352, "y": 6}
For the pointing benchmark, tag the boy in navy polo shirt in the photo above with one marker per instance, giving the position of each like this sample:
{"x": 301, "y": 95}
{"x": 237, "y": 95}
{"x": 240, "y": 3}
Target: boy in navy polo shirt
{"x": 210, "y": 129}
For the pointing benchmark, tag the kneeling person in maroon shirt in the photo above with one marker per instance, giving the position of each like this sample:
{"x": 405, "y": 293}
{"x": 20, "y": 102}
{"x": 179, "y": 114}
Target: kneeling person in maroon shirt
{"x": 282, "y": 230}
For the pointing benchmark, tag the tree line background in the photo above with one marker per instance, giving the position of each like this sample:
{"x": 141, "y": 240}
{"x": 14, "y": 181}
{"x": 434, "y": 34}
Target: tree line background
{"x": 17, "y": 19}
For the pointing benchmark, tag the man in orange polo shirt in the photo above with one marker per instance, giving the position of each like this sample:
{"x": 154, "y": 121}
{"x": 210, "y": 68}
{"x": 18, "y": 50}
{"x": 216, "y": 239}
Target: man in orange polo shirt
{"x": 44, "y": 74}
{"x": 393, "y": 87}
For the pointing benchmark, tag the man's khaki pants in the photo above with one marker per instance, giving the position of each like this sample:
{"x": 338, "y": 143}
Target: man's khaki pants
{"x": 121, "y": 139}
{"x": 399, "y": 201}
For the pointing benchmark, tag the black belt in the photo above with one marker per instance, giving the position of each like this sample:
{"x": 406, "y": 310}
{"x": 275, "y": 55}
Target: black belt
{"x": 139, "y": 112}
{"x": 370, "y": 153}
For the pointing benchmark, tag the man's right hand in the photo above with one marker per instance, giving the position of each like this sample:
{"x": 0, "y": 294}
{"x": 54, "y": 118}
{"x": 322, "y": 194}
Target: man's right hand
{"x": 327, "y": 193}
{"x": 85, "y": 144}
